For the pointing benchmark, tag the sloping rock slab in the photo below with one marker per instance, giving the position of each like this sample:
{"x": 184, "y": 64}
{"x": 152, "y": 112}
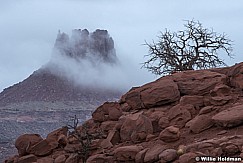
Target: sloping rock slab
{"x": 200, "y": 123}
{"x": 229, "y": 118}
{"x": 159, "y": 92}
{"x": 198, "y": 82}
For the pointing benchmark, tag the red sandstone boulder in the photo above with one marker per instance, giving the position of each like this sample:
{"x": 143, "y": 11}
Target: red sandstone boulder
{"x": 125, "y": 107}
{"x": 230, "y": 149}
{"x": 206, "y": 110}
{"x": 163, "y": 122}
{"x": 235, "y": 76}
{"x": 104, "y": 144}
{"x": 45, "y": 160}
{"x": 58, "y": 152}
{"x": 108, "y": 125}
{"x": 73, "y": 158}
{"x": 107, "y": 111}
{"x": 139, "y": 158}
{"x": 25, "y": 142}
{"x": 133, "y": 98}
{"x": 114, "y": 137}
{"x": 168, "y": 155}
{"x": 188, "y": 158}
{"x": 229, "y": 118}
{"x": 127, "y": 153}
{"x": 160, "y": 92}
{"x": 62, "y": 140}
{"x": 196, "y": 101}
{"x": 199, "y": 82}
{"x": 100, "y": 158}
{"x": 220, "y": 90}
{"x": 60, "y": 159}
{"x": 219, "y": 100}
{"x": 73, "y": 148}
{"x": 136, "y": 127}
{"x": 56, "y": 136}
{"x": 155, "y": 116}
{"x": 152, "y": 155}
{"x": 200, "y": 123}
{"x": 90, "y": 125}
{"x": 41, "y": 149}
{"x": 170, "y": 134}
{"x": 179, "y": 115}
{"x": 27, "y": 159}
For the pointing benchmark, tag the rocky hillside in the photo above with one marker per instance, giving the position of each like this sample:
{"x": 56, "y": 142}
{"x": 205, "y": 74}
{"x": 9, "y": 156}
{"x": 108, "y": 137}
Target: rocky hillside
{"x": 178, "y": 118}
{"x": 45, "y": 86}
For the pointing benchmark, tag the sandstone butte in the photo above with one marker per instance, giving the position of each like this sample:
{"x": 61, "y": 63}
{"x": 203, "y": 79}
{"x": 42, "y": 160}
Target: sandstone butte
{"x": 173, "y": 119}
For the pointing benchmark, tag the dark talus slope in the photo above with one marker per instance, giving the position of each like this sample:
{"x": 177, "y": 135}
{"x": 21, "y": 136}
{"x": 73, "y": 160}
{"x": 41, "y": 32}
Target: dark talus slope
{"x": 44, "y": 86}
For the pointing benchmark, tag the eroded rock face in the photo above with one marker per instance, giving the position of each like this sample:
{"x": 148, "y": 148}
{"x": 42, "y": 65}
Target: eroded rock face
{"x": 198, "y": 82}
{"x": 236, "y": 76}
{"x": 160, "y": 92}
{"x": 102, "y": 158}
{"x": 127, "y": 153}
{"x": 230, "y": 118}
{"x": 56, "y": 137}
{"x": 25, "y": 143}
{"x": 180, "y": 114}
{"x": 136, "y": 127}
{"x": 170, "y": 134}
{"x": 107, "y": 111}
{"x": 84, "y": 45}
{"x": 27, "y": 158}
{"x": 152, "y": 155}
{"x": 200, "y": 123}
{"x": 168, "y": 155}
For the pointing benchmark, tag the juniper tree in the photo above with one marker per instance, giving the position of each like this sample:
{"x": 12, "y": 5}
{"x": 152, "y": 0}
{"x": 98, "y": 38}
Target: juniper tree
{"x": 195, "y": 47}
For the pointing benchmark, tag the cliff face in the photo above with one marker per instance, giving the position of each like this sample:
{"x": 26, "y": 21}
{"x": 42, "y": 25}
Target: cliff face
{"x": 173, "y": 119}
{"x": 85, "y": 45}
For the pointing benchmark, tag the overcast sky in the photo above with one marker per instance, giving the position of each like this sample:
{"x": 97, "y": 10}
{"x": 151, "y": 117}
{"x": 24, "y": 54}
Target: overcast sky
{"x": 28, "y": 29}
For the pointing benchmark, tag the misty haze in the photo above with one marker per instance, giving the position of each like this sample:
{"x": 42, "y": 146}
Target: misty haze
{"x": 88, "y": 59}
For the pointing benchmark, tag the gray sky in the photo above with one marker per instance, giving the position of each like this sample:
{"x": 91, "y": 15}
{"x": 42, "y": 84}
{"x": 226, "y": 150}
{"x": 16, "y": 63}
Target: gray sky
{"x": 28, "y": 29}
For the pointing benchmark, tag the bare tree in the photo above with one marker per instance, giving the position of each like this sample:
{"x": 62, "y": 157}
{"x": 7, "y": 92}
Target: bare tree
{"x": 84, "y": 138}
{"x": 193, "y": 48}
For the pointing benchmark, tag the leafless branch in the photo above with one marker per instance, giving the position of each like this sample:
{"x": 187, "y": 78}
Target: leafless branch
{"x": 193, "y": 48}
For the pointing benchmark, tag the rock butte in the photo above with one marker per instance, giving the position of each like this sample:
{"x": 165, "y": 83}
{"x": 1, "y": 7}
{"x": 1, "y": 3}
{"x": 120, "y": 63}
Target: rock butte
{"x": 51, "y": 83}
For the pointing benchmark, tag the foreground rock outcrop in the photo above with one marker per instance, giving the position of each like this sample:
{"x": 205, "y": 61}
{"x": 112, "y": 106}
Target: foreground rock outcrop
{"x": 173, "y": 119}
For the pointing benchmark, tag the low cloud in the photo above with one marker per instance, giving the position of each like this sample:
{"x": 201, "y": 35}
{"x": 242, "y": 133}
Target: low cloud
{"x": 89, "y": 60}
